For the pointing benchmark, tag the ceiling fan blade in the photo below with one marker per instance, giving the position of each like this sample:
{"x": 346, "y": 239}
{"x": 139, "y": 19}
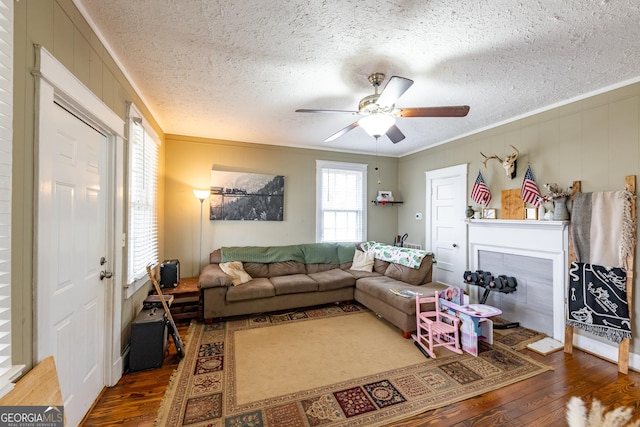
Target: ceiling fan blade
{"x": 342, "y": 132}
{"x": 306, "y": 110}
{"x": 394, "y": 90}
{"x": 394, "y": 134}
{"x": 451, "y": 111}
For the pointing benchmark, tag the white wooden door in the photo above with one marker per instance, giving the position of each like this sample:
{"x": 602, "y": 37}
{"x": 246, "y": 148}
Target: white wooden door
{"x": 446, "y": 227}
{"x": 72, "y": 241}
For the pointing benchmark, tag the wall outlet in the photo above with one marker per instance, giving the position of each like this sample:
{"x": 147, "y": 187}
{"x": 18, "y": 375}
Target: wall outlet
{"x": 418, "y": 216}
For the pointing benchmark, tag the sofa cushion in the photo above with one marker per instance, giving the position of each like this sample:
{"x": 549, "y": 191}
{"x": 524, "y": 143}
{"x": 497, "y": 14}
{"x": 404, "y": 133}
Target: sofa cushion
{"x": 359, "y": 274}
{"x": 212, "y": 276}
{"x": 316, "y": 268}
{"x": 253, "y": 289}
{"x": 380, "y": 266}
{"x": 379, "y": 288}
{"x": 215, "y": 257}
{"x": 333, "y": 279}
{"x": 411, "y": 275}
{"x": 257, "y": 269}
{"x": 235, "y": 270}
{"x": 284, "y": 268}
{"x": 294, "y": 284}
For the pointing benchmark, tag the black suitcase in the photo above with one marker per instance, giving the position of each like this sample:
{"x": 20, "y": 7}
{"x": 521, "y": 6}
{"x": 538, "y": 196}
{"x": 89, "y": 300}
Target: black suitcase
{"x": 169, "y": 273}
{"x": 148, "y": 340}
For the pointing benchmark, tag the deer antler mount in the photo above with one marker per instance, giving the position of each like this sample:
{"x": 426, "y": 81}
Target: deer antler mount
{"x": 509, "y": 163}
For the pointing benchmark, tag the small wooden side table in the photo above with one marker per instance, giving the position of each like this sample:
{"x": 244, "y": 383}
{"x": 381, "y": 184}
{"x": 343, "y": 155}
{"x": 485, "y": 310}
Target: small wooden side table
{"x": 187, "y": 302}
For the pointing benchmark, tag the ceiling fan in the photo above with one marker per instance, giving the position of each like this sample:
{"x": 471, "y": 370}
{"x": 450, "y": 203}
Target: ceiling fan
{"x": 379, "y": 112}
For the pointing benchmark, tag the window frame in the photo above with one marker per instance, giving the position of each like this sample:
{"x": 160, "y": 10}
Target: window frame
{"x": 321, "y": 167}
{"x": 8, "y": 371}
{"x": 137, "y": 277}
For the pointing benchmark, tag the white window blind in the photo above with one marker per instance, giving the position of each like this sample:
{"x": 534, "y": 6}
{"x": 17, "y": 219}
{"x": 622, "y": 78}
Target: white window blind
{"x": 143, "y": 188}
{"x": 341, "y": 190}
{"x": 6, "y": 137}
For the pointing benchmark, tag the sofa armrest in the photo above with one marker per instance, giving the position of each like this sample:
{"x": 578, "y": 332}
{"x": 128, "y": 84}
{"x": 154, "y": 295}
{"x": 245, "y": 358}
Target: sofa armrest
{"x": 212, "y": 276}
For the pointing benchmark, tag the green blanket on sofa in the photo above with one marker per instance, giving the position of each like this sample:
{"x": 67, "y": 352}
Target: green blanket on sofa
{"x": 309, "y": 253}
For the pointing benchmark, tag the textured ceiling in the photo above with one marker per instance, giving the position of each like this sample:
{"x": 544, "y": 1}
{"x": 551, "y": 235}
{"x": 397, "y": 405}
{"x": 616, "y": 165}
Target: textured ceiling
{"x": 238, "y": 70}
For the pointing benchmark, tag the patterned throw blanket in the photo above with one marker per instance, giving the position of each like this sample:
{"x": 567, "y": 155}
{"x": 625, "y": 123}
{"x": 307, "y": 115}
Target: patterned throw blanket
{"x": 598, "y": 301}
{"x": 404, "y": 256}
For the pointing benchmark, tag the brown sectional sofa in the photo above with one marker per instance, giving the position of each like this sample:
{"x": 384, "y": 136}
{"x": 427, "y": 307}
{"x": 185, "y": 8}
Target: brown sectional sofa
{"x": 316, "y": 274}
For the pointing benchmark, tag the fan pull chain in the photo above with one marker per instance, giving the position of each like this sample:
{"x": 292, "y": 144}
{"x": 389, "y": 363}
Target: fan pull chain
{"x": 377, "y": 168}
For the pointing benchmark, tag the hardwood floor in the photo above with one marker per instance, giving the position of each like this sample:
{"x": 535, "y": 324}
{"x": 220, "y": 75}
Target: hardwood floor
{"x": 539, "y": 401}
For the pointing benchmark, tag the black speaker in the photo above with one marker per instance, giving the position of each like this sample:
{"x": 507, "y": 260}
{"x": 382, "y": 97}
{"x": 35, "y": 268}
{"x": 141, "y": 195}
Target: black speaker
{"x": 148, "y": 340}
{"x": 169, "y": 273}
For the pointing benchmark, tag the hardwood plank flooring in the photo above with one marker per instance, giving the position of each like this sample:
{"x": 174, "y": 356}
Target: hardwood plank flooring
{"x": 539, "y": 401}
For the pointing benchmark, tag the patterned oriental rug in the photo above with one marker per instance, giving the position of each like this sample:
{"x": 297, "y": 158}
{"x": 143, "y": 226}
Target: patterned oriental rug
{"x": 336, "y": 365}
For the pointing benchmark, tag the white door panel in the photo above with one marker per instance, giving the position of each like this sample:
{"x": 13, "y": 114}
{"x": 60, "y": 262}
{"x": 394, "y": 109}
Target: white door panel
{"x": 446, "y": 228}
{"x": 72, "y": 225}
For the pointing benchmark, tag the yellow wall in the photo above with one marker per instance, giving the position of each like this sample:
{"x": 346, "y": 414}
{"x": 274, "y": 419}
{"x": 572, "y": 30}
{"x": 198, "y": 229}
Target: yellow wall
{"x": 188, "y": 166}
{"x": 595, "y": 140}
{"x": 59, "y": 27}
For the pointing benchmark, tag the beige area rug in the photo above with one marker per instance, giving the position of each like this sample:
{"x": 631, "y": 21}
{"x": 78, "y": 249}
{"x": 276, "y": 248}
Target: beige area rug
{"x": 336, "y": 365}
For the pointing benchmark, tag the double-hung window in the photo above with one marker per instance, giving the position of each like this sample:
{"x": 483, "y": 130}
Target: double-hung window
{"x": 341, "y": 190}
{"x": 142, "y": 221}
{"x": 7, "y": 371}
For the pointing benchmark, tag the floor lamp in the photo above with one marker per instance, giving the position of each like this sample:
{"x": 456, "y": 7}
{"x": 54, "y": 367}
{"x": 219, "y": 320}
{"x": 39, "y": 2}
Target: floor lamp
{"x": 200, "y": 195}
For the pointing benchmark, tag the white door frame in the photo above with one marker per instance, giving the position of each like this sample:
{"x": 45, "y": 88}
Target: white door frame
{"x": 443, "y": 173}
{"x": 55, "y": 83}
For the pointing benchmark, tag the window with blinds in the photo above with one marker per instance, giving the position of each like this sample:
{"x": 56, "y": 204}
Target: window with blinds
{"x": 142, "y": 221}
{"x": 341, "y": 190}
{"x": 6, "y": 137}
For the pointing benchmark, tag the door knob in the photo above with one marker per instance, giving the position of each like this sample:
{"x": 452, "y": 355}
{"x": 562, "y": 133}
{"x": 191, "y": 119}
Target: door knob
{"x": 105, "y": 275}
{"x": 455, "y": 245}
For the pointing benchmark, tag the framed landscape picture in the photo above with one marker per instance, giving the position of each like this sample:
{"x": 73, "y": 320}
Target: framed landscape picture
{"x": 240, "y": 196}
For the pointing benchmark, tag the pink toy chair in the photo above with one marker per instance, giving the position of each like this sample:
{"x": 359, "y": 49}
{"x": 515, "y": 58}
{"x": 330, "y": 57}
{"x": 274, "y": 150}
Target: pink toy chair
{"x": 436, "y": 328}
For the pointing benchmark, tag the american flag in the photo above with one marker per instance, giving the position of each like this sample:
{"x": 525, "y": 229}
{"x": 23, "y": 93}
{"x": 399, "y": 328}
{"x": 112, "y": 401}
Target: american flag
{"x": 529, "y": 191}
{"x": 480, "y": 192}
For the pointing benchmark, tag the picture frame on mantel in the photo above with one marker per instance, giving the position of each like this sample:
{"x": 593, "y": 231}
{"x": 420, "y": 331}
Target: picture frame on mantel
{"x": 489, "y": 213}
{"x": 531, "y": 213}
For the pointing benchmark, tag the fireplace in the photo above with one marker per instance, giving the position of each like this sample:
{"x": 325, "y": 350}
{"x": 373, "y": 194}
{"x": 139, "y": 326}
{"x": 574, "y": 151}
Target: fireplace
{"x": 536, "y": 254}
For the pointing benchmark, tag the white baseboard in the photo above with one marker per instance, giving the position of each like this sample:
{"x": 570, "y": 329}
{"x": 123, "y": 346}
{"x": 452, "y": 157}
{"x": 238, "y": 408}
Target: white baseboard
{"x": 608, "y": 351}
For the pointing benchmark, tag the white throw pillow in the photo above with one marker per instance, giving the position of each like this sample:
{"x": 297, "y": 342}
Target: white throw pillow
{"x": 236, "y": 271}
{"x": 362, "y": 261}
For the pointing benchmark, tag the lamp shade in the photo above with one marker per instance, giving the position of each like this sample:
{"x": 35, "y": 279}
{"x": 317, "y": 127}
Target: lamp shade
{"x": 201, "y": 194}
{"x": 377, "y": 124}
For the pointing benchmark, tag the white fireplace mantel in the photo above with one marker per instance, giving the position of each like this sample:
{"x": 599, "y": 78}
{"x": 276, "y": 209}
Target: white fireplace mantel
{"x": 540, "y": 239}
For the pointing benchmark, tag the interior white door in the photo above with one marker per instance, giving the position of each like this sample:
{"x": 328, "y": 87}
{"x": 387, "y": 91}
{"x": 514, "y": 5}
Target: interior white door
{"x": 72, "y": 239}
{"x": 446, "y": 228}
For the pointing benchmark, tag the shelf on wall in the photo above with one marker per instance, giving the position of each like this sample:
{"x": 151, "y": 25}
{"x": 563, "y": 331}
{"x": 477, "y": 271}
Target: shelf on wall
{"x": 375, "y": 202}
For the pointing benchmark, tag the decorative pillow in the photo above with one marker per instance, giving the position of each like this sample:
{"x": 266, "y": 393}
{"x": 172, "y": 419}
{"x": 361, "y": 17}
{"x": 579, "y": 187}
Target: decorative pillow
{"x": 362, "y": 261}
{"x": 236, "y": 271}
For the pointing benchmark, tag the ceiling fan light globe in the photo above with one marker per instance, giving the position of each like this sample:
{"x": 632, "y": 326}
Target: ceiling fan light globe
{"x": 377, "y": 125}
